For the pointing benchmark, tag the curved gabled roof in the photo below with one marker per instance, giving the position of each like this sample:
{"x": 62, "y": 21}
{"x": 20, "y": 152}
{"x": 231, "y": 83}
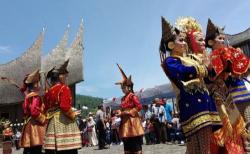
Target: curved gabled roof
{"x": 239, "y": 38}
{"x": 57, "y": 55}
{"x": 31, "y": 60}
{"x": 75, "y": 55}
{"x": 17, "y": 69}
{"x": 62, "y": 52}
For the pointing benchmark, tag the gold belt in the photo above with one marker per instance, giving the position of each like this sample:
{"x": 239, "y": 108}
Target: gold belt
{"x": 51, "y": 112}
{"x": 26, "y": 120}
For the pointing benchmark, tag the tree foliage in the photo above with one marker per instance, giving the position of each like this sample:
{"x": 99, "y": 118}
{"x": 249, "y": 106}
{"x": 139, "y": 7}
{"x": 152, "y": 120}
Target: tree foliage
{"x": 88, "y": 101}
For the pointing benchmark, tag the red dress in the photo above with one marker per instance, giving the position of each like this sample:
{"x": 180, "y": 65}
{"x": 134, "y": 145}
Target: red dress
{"x": 34, "y": 125}
{"x": 131, "y": 125}
{"x": 62, "y": 131}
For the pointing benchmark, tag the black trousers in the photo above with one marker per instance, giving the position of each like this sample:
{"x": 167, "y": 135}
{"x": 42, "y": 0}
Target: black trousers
{"x": 73, "y": 151}
{"x": 33, "y": 150}
{"x": 101, "y": 134}
{"x": 132, "y": 144}
{"x": 160, "y": 130}
{"x": 115, "y": 136}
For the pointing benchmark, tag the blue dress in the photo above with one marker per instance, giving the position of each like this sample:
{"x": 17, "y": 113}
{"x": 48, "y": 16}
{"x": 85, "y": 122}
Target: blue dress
{"x": 197, "y": 109}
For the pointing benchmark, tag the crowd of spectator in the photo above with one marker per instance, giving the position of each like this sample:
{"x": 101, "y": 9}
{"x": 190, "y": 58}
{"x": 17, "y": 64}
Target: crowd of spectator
{"x": 160, "y": 123}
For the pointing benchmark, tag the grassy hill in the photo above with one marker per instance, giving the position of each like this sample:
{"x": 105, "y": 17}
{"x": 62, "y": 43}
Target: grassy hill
{"x": 89, "y": 101}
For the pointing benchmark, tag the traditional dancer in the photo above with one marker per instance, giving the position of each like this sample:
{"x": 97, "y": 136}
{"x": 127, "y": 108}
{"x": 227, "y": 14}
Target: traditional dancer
{"x": 7, "y": 134}
{"x": 198, "y": 115}
{"x": 228, "y": 89}
{"x": 131, "y": 130}
{"x": 34, "y": 122}
{"x": 62, "y": 135}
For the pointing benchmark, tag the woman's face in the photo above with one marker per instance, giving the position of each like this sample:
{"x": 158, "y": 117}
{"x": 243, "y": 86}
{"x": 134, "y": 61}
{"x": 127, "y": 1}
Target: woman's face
{"x": 125, "y": 89}
{"x": 63, "y": 78}
{"x": 180, "y": 44}
{"x": 200, "y": 41}
{"x": 37, "y": 86}
{"x": 219, "y": 42}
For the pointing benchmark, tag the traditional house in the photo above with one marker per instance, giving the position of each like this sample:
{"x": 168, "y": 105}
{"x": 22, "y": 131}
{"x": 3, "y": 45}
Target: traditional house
{"x": 10, "y": 96}
{"x": 241, "y": 40}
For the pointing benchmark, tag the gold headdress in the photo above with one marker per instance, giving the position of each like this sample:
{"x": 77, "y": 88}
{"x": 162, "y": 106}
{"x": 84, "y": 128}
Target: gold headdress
{"x": 189, "y": 25}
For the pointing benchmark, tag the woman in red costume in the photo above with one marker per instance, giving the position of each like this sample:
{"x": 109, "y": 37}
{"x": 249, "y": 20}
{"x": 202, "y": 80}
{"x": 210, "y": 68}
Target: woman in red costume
{"x": 62, "y": 135}
{"x": 34, "y": 122}
{"x": 225, "y": 62}
{"x": 131, "y": 130}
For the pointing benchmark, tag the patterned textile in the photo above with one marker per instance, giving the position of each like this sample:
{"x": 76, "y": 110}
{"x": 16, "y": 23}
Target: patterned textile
{"x": 238, "y": 90}
{"x": 7, "y": 147}
{"x": 199, "y": 143}
{"x": 32, "y": 134}
{"x": 241, "y": 98}
{"x": 232, "y": 141}
{"x": 220, "y": 57}
{"x": 197, "y": 108}
{"x": 244, "y": 109}
{"x": 62, "y": 133}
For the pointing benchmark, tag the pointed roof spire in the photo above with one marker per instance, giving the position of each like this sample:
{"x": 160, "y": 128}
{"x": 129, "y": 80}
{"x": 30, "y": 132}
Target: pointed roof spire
{"x": 79, "y": 37}
{"x": 38, "y": 43}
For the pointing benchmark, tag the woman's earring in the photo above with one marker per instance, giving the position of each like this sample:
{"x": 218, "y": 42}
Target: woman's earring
{"x": 171, "y": 45}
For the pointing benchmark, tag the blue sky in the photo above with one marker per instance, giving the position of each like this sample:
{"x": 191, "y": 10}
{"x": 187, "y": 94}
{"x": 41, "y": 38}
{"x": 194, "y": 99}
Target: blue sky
{"x": 123, "y": 31}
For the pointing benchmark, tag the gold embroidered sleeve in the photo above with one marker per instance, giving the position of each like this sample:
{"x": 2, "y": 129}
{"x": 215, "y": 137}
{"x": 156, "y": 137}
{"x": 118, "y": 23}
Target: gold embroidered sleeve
{"x": 202, "y": 71}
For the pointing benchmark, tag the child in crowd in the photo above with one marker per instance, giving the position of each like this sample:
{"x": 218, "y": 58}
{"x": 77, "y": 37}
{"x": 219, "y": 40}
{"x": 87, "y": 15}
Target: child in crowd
{"x": 176, "y": 132}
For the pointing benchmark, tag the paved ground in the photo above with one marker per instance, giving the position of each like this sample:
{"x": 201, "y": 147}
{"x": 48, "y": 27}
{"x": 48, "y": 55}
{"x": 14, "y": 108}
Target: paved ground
{"x": 118, "y": 149}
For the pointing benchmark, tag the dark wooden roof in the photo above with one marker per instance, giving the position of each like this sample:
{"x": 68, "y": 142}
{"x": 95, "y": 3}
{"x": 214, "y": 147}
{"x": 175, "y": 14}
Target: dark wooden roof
{"x": 239, "y": 38}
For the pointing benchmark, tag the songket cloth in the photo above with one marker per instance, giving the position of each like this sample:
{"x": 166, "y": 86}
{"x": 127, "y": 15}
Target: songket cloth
{"x": 200, "y": 141}
{"x": 62, "y": 133}
{"x": 241, "y": 98}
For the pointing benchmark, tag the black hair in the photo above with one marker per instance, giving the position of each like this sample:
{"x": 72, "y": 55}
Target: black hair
{"x": 164, "y": 43}
{"x": 211, "y": 37}
{"x": 99, "y": 106}
{"x": 54, "y": 77}
{"x": 29, "y": 86}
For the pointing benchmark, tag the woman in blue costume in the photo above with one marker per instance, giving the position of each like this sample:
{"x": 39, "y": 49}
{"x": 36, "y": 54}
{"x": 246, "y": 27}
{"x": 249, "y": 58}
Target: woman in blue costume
{"x": 198, "y": 115}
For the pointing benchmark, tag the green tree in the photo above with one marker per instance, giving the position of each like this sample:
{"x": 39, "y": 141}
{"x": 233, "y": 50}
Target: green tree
{"x": 88, "y": 101}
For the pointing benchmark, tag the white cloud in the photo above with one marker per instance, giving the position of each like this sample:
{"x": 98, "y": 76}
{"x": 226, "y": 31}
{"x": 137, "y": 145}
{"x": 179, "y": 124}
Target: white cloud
{"x": 85, "y": 89}
{"x": 4, "y": 49}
